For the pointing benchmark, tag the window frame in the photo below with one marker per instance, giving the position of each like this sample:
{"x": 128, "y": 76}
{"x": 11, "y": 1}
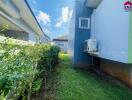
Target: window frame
{"x": 80, "y": 23}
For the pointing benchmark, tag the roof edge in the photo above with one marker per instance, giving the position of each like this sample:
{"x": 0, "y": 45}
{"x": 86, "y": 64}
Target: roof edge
{"x": 35, "y": 18}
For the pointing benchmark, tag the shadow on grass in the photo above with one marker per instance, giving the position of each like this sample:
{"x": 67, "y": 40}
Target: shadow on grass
{"x": 67, "y": 83}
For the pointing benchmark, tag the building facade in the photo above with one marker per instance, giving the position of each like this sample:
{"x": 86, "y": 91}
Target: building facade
{"x": 20, "y": 21}
{"x": 110, "y": 24}
{"x": 61, "y": 42}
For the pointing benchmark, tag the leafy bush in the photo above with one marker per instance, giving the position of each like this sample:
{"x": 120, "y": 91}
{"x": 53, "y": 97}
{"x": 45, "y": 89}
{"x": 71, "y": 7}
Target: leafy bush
{"x": 22, "y": 68}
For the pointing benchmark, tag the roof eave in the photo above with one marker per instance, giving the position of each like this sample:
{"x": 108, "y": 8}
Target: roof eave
{"x": 92, "y": 3}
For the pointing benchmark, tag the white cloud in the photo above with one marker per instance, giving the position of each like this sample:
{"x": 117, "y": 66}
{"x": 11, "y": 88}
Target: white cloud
{"x": 44, "y": 17}
{"x": 58, "y": 24}
{"x": 66, "y": 15}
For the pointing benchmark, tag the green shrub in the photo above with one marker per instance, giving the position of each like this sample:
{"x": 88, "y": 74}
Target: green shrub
{"x": 22, "y": 68}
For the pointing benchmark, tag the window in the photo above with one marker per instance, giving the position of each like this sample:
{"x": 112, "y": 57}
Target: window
{"x": 60, "y": 44}
{"x": 84, "y": 23}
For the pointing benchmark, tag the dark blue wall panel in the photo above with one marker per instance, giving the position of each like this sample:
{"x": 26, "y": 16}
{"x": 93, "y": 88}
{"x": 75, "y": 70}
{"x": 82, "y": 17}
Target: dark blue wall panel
{"x": 80, "y": 35}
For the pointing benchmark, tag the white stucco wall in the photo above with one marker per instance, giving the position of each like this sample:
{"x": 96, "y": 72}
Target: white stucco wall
{"x": 110, "y": 26}
{"x": 62, "y": 44}
{"x": 32, "y": 37}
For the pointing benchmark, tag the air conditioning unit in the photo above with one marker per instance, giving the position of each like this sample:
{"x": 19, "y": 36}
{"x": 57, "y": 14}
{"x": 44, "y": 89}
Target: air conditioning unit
{"x": 90, "y": 45}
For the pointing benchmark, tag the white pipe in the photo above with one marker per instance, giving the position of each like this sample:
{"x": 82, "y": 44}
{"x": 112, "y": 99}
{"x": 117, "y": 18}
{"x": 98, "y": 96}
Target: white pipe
{"x": 10, "y": 8}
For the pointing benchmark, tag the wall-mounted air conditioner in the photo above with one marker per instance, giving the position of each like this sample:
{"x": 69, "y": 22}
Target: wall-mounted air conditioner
{"x": 90, "y": 45}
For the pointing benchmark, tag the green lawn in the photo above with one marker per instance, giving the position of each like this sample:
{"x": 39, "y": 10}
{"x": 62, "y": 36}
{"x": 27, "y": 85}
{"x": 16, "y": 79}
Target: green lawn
{"x": 67, "y": 83}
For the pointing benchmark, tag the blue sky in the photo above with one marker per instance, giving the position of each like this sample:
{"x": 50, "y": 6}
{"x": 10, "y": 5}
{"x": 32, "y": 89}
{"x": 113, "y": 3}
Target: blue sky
{"x": 53, "y": 15}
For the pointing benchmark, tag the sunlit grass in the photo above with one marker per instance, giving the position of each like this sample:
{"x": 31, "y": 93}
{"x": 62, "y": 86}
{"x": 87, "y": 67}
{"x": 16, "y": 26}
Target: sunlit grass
{"x": 67, "y": 83}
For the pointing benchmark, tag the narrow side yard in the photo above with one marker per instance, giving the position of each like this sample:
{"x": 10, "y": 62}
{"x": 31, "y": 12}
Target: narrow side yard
{"x": 67, "y": 83}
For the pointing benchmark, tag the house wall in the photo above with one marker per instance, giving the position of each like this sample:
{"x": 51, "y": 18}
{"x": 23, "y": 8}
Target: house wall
{"x": 80, "y": 59}
{"x": 32, "y": 37}
{"x": 130, "y": 38}
{"x": 118, "y": 70}
{"x": 21, "y": 35}
{"x": 62, "y": 44}
{"x": 43, "y": 38}
{"x": 110, "y": 26}
{"x": 17, "y": 35}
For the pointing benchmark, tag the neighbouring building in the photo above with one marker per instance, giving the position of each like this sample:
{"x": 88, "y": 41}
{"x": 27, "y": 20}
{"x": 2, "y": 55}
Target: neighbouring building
{"x": 109, "y": 22}
{"x": 20, "y": 21}
{"x": 61, "y": 42}
{"x": 45, "y": 39}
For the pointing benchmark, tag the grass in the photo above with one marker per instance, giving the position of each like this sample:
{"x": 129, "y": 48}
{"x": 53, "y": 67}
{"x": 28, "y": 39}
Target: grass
{"x": 67, "y": 83}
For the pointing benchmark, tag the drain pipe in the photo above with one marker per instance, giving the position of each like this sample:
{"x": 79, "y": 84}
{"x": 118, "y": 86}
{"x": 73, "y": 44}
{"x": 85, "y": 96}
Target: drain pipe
{"x": 9, "y": 7}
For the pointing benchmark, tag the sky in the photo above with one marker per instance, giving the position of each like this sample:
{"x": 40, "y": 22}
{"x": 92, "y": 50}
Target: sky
{"x": 53, "y": 15}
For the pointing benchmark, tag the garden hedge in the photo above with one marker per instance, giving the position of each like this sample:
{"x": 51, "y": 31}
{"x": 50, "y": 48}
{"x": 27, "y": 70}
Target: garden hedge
{"x": 23, "y": 68}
